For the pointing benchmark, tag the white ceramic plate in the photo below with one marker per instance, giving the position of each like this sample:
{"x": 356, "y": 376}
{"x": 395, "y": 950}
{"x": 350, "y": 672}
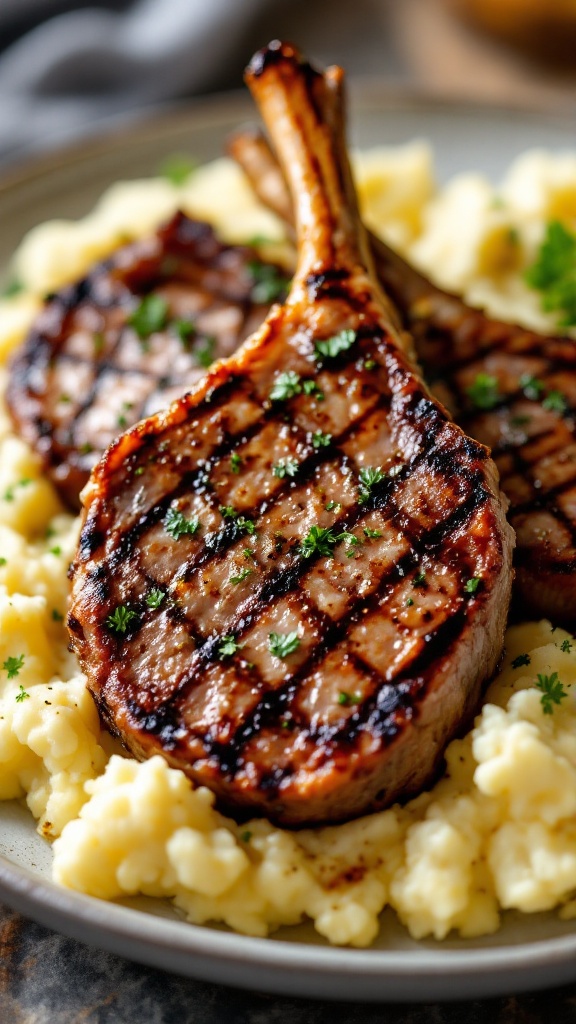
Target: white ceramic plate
{"x": 529, "y": 952}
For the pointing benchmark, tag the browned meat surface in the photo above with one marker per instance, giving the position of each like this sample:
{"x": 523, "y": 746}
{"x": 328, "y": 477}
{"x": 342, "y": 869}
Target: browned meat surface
{"x": 294, "y": 582}
{"x": 510, "y": 388}
{"x": 138, "y": 331}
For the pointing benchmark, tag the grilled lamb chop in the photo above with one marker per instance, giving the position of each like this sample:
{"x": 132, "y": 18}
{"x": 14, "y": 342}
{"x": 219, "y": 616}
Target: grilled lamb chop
{"x": 294, "y": 582}
{"x": 510, "y": 388}
{"x": 135, "y": 333}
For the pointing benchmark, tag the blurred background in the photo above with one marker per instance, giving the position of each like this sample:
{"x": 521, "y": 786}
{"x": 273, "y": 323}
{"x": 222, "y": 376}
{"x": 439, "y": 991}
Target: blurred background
{"x": 69, "y": 69}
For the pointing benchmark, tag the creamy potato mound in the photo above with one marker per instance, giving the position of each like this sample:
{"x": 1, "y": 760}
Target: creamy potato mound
{"x": 497, "y": 831}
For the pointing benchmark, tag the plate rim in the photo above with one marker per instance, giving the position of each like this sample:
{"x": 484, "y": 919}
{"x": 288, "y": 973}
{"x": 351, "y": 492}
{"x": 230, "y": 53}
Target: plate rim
{"x": 296, "y": 968}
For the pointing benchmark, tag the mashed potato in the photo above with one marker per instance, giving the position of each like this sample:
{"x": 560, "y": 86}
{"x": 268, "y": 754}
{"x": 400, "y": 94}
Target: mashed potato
{"x": 497, "y": 831}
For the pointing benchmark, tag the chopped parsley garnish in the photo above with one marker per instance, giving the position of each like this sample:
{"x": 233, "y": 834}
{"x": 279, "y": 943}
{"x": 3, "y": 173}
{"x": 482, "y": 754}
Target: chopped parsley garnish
{"x": 285, "y": 467}
{"x": 121, "y": 618}
{"x": 531, "y": 386}
{"x": 310, "y": 387}
{"x": 204, "y": 352}
{"x": 369, "y": 364}
{"x": 64, "y": 398}
{"x": 522, "y": 659}
{"x": 185, "y": 329}
{"x": 269, "y": 282}
{"x": 150, "y": 316}
{"x": 349, "y": 699}
{"x": 13, "y": 665}
{"x": 178, "y": 168}
{"x": 283, "y": 644}
{"x": 248, "y": 553}
{"x": 371, "y": 534}
{"x": 351, "y": 540}
{"x": 285, "y": 386}
{"x": 56, "y": 550}
{"x": 242, "y": 575}
{"x": 332, "y": 347}
{"x": 178, "y": 526}
{"x": 235, "y": 462}
{"x": 139, "y": 471}
{"x": 14, "y": 287}
{"x": 553, "y": 691}
{"x": 409, "y": 601}
{"x": 554, "y": 273}
{"x": 419, "y": 579}
{"x": 520, "y": 421}
{"x": 155, "y": 597}
{"x": 318, "y": 541}
{"x": 57, "y": 616}
{"x": 246, "y": 836}
{"x": 566, "y": 646}
{"x": 289, "y": 384}
{"x": 86, "y": 448}
{"x": 483, "y": 392}
{"x": 240, "y": 522}
{"x": 228, "y": 647}
{"x": 555, "y": 402}
{"x": 320, "y": 440}
{"x": 471, "y": 585}
{"x": 9, "y": 492}
{"x": 2, "y": 561}
{"x": 333, "y": 506}
{"x": 369, "y": 476}
{"x": 22, "y": 694}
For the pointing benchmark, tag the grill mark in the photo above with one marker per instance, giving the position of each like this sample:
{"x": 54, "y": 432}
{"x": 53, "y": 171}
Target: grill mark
{"x": 271, "y": 705}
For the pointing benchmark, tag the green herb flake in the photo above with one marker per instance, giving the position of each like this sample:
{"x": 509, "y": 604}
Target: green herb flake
{"x": 369, "y": 477}
{"x": 177, "y": 168}
{"x": 332, "y": 347}
{"x": 369, "y": 364}
{"x": 121, "y": 618}
{"x": 139, "y": 471}
{"x": 419, "y": 579}
{"x": 86, "y": 448}
{"x": 320, "y": 440}
{"x": 409, "y": 602}
{"x": 22, "y": 694}
{"x": 13, "y": 665}
{"x": 333, "y": 506}
{"x": 351, "y": 540}
{"x": 555, "y": 401}
{"x": 310, "y": 387}
{"x": 285, "y": 467}
{"x": 246, "y": 836}
{"x": 2, "y": 562}
{"x": 318, "y": 541}
{"x": 471, "y": 585}
{"x": 14, "y": 287}
{"x": 242, "y": 575}
{"x": 178, "y": 526}
{"x": 185, "y": 329}
{"x": 553, "y": 273}
{"x": 155, "y": 597}
{"x": 285, "y": 386}
{"x": 270, "y": 283}
{"x": 531, "y": 387}
{"x": 371, "y": 534}
{"x": 228, "y": 647}
{"x": 283, "y": 644}
{"x": 566, "y": 646}
{"x": 553, "y": 691}
{"x": 204, "y": 352}
{"x": 522, "y": 659}
{"x": 240, "y": 522}
{"x": 349, "y": 699}
{"x": 483, "y": 392}
{"x": 64, "y": 399}
{"x": 249, "y": 554}
{"x": 57, "y": 616}
{"x": 56, "y": 550}
{"x": 236, "y": 462}
{"x": 150, "y": 316}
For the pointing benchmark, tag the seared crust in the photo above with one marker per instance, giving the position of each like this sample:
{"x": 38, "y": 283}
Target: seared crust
{"x": 399, "y": 611}
{"x": 532, "y": 435}
{"x": 84, "y": 374}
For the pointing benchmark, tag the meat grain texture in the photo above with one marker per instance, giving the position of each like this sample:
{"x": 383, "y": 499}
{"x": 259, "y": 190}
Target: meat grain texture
{"x": 309, "y": 490}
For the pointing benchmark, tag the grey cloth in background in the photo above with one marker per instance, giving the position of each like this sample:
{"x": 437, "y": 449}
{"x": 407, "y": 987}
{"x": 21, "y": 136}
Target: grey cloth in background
{"x": 66, "y": 70}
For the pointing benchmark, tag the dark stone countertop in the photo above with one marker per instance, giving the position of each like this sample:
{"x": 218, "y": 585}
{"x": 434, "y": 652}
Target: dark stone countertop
{"x": 48, "y": 979}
